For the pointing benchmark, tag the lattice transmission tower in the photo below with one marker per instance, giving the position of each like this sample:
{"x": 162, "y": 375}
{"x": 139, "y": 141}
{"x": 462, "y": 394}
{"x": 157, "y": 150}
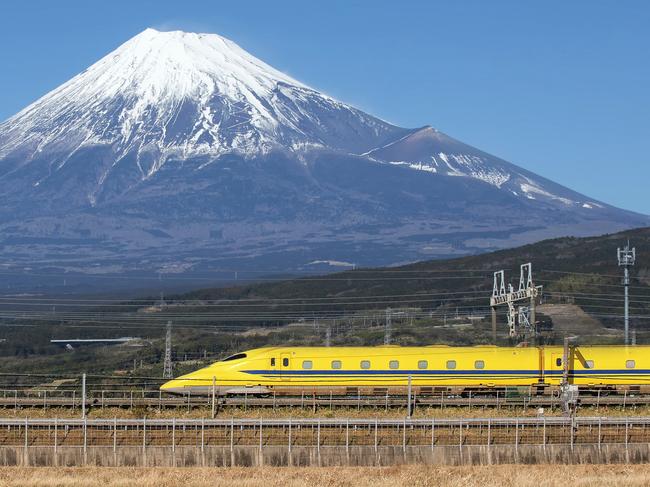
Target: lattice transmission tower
{"x": 388, "y": 326}
{"x": 167, "y": 366}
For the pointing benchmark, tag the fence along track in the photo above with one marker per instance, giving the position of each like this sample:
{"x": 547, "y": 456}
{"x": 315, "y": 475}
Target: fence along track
{"x": 322, "y": 433}
{"x": 187, "y": 442}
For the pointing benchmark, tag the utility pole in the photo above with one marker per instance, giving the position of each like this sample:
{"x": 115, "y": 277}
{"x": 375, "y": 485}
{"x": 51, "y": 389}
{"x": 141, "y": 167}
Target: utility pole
{"x": 387, "y": 326}
{"x": 568, "y": 390}
{"x": 409, "y": 392}
{"x": 214, "y": 387}
{"x": 328, "y": 336}
{"x": 564, "y": 386}
{"x": 167, "y": 367}
{"x": 494, "y": 324}
{"x": 83, "y": 396}
{"x": 626, "y": 258}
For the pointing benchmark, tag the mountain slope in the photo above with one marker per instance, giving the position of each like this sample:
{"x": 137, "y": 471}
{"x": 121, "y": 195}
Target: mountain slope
{"x": 581, "y": 271}
{"x": 182, "y": 153}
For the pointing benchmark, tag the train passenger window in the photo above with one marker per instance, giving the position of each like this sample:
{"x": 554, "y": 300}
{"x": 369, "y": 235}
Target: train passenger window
{"x": 307, "y": 364}
{"x": 451, "y": 364}
{"x": 630, "y": 364}
{"x": 365, "y": 364}
{"x": 422, "y": 364}
{"x": 589, "y": 364}
{"x": 285, "y": 362}
{"x": 273, "y": 362}
{"x": 558, "y": 362}
{"x": 336, "y": 364}
{"x": 393, "y": 364}
{"x": 479, "y": 364}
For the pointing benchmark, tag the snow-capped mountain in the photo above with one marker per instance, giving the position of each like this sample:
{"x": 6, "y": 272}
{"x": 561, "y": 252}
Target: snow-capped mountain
{"x": 181, "y": 151}
{"x": 177, "y": 95}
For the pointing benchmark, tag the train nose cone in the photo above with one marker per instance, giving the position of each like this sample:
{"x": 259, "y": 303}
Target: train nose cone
{"x": 174, "y": 386}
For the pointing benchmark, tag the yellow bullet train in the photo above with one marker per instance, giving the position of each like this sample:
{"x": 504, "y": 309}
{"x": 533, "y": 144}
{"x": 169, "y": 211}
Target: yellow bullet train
{"x": 387, "y": 369}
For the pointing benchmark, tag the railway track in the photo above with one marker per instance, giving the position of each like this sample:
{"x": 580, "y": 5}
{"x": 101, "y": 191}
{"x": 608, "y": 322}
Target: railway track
{"x": 155, "y": 399}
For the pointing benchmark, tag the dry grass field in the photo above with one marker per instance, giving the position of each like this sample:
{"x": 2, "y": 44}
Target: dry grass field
{"x": 413, "y": 476}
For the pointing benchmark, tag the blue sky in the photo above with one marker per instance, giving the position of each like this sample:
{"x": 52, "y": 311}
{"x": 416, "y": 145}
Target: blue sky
{"x": 560, "y": 88}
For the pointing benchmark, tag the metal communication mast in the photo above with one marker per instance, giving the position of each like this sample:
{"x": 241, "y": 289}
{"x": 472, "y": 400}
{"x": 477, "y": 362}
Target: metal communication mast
{"x": 626, "y": 258}
{"x": 167, "y": 367}
{"x": 526, "y": 291}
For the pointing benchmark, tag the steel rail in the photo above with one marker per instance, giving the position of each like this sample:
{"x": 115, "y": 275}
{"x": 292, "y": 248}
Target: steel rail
{"x": 303, "y": 422}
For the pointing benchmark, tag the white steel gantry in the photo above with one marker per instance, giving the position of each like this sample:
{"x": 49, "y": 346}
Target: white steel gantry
{"x": 522, "y": 319}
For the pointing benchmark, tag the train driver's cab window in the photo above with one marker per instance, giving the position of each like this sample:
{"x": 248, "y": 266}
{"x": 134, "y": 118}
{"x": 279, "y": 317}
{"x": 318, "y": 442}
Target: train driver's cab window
{"x": 336, "y": 364}
{"x": 630, "y": 364}
{"x": 422, "y": 364}
{"x": 479, "y": 364}
{"x": 285, "y": 362}
{"x": 237, "y": 356}
{"x": 589, "y": 364}
{"x": 365, "y": 364}
{"x": 451, "y": 364}
{"x": 273, "y": 362}
{"x": 558, "y": 362}
{"x": 307, "y": 364}
{"x": 393, "y": 364}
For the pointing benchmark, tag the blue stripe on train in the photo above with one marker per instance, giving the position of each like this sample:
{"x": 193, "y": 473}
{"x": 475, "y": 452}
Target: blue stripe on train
{"x": 572, "y": 373}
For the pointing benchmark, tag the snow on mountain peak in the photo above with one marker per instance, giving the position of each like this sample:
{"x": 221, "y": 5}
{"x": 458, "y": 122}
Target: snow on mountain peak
{"x": 177, "y": 96}
{"x": 178, "y": 64}
{"x": 163, "y": 95}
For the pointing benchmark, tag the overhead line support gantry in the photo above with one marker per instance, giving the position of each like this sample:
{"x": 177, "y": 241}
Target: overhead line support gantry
{"x": 524, "y": 316}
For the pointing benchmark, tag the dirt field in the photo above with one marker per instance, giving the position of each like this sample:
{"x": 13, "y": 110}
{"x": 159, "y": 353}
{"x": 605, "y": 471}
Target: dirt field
{"x": 420, "y": 412}
{"x": 413, "y": 476}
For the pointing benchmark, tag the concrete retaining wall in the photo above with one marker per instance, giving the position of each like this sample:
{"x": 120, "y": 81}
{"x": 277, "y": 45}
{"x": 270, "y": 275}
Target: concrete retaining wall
{"x": 325, "y": 456}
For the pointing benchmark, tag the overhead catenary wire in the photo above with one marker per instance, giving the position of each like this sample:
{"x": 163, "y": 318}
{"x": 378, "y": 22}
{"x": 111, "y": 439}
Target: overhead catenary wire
{"x": 173, "y": 307}
{"x": 258, "y": 309}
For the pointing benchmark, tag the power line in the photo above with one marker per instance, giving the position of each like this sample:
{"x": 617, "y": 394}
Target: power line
{"x": 217, "y": 301}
